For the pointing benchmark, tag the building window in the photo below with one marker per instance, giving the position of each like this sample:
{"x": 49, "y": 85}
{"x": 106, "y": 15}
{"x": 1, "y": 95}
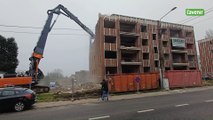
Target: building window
{"x": 163, "y": 30}
{"x": 189, "y": 46}
{"x": 154, "y": 36}
{"x": 165, "y": 43}
{"x": 109, "y": 24}
{"x": 188, "y": 34}
{"x": 156, "y": 63}
{"x": 145, "y": 42}
{"x": 143, "y": 28}
{"x": 124, "y": 27}
{"x": 110, "y": 39}
{"x": 111, "y": 70}
{"x": 166, "y": 56}
{"x": 145, "y": 56}
{"x": 146, "y": 69}
{"x": 110, "y": 54}
{"x": 156, "y": 49}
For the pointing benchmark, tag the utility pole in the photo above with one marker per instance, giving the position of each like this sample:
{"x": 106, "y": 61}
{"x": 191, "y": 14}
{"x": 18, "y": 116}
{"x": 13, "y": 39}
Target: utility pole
{"x": 160, "y": 46}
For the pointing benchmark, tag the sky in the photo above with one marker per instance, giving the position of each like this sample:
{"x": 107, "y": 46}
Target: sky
{"x": 68, "y": 49}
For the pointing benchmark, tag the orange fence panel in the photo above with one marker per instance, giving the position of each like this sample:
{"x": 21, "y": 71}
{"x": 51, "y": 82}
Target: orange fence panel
{"x": 184, "y": 78}
{"x": 15, "y": 81}
{"x": 129, "y": 82}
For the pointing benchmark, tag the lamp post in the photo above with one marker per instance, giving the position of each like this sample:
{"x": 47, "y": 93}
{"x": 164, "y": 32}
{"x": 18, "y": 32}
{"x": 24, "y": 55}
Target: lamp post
{"x": 161, "y": 57}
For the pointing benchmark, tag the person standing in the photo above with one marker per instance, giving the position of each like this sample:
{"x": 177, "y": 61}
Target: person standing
{"x": 104, "y": 90}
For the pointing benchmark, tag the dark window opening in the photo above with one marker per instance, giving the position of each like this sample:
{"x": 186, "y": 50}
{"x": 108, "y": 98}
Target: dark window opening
{"x": 178, "y": 58}
{"x": 129, "y": 57}
{"x": 110, "y": 54}
{"x": 180, "y": 68}
{"x": 156, "y": 63}
{"x": 128, "y": 41}
{"x": 163, "y": 30}
{"x": 130, "y": 69}
{"x": 175, "y": 33}
{"x": 111, "y": 70}
{"x": 166, "y": 56}
{"x": 156, "y": 49}
{"x": 110, "y": 39}
{"x": 192, "y": 68}
{"x": 191, "y": 57}
{"x": 154, "y": 37}
{"x": 167, "y": 68}
{"x": 145, "y": 42}
{"x": 124, "y": 27}
{"x": 146, "y": 69}
{"x": 143, "y": 28}
{"x": 165, "y": 43}
{"x": 188, "y": 34}
{"x": 109, "y": 24}
{"x": 189, "y": 46}
{"x": 145, "y": 56}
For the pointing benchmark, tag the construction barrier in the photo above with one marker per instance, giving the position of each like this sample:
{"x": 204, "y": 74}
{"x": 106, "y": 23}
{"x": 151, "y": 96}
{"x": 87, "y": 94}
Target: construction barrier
{"x": 15, "y": 81}
{"x": 133, "y": 82}
{"x": 183, "y": 78}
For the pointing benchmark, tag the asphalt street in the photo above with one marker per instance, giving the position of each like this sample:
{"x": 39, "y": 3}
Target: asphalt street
{"x": 180, "y": 106}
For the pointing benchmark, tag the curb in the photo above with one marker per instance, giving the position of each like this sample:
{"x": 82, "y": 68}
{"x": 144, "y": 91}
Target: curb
{"x": 120, "y": 97}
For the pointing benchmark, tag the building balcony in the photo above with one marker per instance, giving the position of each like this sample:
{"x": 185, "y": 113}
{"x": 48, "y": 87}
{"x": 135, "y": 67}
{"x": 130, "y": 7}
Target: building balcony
{"x": 166, "y": 50}
{"x": 130, "y": 62}
{"x": 110, "y": 47}
{"x": 129, "y": 34}
{"x": 179, "y": 51}
{"x": 146, "y": 63}
{"x": 130, "y": 48}
{"x": 180, "y": 63}
{"x": 145, "y": 49}
{"x": 110, "y": 62}
{"x": 110, "y": 31}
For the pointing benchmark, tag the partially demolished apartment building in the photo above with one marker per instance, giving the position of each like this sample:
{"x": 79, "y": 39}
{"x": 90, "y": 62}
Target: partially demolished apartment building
{"x": 126, "y": 44}
{"x": 206, "y": 56}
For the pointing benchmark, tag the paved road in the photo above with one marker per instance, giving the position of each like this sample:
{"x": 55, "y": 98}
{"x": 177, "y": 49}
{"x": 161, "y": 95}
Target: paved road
{"x": 183, "y": 106}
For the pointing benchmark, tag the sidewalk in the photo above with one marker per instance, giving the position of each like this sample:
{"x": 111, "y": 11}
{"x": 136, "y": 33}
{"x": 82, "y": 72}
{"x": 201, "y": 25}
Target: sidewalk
{"x": 120, "y": 97}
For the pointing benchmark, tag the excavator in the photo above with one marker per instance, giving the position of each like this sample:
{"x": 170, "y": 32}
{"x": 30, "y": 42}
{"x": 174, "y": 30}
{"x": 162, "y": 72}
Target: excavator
{"x": 32, "y": 77}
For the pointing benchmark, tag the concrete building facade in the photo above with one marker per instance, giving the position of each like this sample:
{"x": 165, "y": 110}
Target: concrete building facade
{"x": 206, "y": 56}
{"x": 126, "y": 44}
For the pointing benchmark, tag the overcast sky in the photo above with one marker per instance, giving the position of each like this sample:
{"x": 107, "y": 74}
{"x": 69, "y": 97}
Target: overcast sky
{"x": 70, "y": 52}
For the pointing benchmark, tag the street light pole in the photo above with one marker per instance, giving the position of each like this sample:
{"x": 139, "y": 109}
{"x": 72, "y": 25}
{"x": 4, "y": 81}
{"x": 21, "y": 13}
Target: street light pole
{"x": 161, "y": 57}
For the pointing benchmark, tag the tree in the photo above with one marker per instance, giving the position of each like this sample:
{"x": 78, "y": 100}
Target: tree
{"x": 8, "y": 55}
{"x": 209, "y": 33}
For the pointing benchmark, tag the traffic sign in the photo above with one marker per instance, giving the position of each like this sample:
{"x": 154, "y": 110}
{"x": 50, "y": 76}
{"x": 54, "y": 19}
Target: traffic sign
{"x": 137, "y": 79}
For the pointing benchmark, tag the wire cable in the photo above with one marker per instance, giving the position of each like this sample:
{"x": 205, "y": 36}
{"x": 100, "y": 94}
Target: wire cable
{"x": 196, "y": 17}
{"x": 40, "y": 33}
{"x": 190, "y": 18}
{"x": 35, "y": 27}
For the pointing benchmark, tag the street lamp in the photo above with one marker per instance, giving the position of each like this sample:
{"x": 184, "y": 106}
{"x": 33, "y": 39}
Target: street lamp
{"x": 161, "y": 57}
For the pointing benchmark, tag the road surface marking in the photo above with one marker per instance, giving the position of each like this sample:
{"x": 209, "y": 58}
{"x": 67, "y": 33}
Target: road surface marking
{"x": 143, "y": 111}
{"x": 101, "y": 117}
{"x": 209, "y": 101}
{"x": 181, "y": 105}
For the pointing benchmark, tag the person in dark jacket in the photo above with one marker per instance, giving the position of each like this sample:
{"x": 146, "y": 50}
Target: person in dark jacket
{"x": 104, "y": 89}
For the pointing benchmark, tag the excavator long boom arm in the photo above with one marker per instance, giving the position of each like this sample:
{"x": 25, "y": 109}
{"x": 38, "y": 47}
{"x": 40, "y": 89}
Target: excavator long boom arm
{"x": 39, "y": 48}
